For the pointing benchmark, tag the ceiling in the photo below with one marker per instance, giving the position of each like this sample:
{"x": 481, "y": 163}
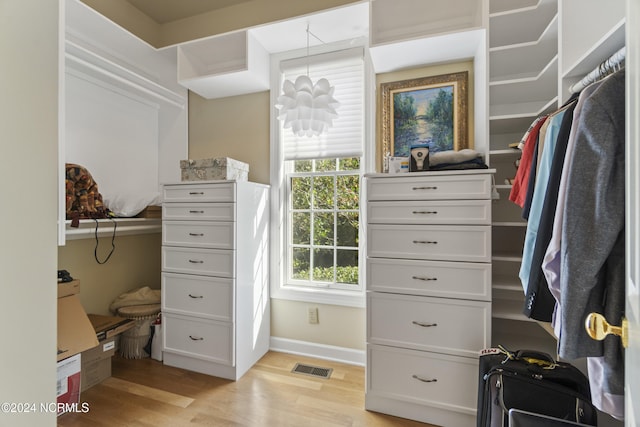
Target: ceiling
{"x": 163, "y": 11}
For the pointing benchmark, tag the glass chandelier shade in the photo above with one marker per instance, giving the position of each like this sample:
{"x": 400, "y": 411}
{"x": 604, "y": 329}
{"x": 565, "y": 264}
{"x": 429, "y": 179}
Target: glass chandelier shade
{"x": 307, "y": 108}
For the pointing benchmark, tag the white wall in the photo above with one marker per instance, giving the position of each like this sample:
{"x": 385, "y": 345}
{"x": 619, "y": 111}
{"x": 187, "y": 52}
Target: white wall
{"x": 29, "y": 34}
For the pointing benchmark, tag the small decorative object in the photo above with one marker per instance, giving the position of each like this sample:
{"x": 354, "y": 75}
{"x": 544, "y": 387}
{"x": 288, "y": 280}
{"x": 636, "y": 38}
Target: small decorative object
{"x": 307, "y": 108}
{"x": 398, "y": 164}
{"x": 419, "y": 160}
{"x": 430, "y": 110}
{"x": 219, "y": 168}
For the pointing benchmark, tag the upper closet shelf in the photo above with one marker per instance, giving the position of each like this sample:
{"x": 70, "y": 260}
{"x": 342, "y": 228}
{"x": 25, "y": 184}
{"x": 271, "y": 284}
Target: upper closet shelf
{"x": 525, "y": 59}
{"x": 521, "y": 25}
{"x": 233, "y": 64}
{"x": 603, "y": 49}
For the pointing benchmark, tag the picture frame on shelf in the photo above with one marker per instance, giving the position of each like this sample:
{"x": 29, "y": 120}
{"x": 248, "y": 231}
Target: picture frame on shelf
{"x": 430, "y": 110}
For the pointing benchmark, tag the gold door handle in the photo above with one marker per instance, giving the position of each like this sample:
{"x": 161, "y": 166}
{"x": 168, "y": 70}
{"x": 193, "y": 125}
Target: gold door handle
{"x": 598, "y": 328}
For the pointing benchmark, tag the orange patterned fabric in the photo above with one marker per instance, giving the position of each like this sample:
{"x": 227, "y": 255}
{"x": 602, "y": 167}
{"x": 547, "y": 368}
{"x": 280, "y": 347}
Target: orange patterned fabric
{"x": 83, "y": 200}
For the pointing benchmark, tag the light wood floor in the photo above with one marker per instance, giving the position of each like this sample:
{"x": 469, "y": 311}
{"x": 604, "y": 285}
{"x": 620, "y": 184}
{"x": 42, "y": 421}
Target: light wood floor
{"x": 144, "y": 392}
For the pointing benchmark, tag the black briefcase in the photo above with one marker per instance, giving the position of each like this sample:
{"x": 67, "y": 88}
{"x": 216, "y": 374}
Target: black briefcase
{"x": 531, "y": 381}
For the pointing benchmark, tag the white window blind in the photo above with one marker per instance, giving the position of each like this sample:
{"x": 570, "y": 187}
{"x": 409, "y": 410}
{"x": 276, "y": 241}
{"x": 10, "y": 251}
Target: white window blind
{"x": 345, "y": 72}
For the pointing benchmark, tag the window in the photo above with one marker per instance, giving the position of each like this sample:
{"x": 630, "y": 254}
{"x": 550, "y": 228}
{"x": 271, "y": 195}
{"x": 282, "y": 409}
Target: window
{"x": 323, "y": 222}
{"x": 317, "y": 188}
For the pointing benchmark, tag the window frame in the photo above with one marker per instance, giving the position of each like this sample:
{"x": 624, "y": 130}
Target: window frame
{"x": 279, "y": 184}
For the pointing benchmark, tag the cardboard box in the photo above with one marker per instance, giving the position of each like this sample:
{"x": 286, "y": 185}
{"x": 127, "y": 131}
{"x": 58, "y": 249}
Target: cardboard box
{"x": 220, "y": 168}
{"x": 109, "y": 326}
{"x": 68, "y": 288}
{"x": 68, "y": 384}
{"x": 75, "y": 332}
{"x": 96, "y": 363}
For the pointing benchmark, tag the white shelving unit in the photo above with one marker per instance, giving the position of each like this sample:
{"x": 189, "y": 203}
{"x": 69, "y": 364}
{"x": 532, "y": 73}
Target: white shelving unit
{"x": 523, "y": 63}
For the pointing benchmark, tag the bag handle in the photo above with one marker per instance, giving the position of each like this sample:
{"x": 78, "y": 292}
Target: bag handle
{"x": 531, "y": 356}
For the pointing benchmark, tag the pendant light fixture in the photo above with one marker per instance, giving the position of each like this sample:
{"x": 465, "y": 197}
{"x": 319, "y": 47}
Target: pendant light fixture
{"x": 307, "y": 108}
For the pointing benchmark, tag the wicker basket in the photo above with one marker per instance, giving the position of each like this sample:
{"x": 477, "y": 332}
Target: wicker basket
{"x": 134, "y": 340}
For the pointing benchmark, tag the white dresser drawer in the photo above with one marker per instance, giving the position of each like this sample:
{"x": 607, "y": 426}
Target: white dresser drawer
{"x": 436, "y": 242}
{"x": 430, "y": 379}
{"x": 433, "y": 187}
{"x": 452, "y": 326}
{"x": 219, "y": 192}
{"x": 465, "y": 212}
{"x": 202, "y": 296}
{"x": 199, "y": 234}
{"x": 431, "y": 278}
{"x": 213, "y": 262}
{"x": 199, "y": 211}
{"x": 200, "y": 338}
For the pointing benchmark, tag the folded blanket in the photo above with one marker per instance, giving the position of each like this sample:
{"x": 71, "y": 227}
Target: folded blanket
{"x": 451, "y": 156}
{"x": 140, "y": 296}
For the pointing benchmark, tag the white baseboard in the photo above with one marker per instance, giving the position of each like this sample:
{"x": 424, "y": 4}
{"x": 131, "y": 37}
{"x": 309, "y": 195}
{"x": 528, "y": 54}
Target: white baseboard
{"x": 321, "y": 351}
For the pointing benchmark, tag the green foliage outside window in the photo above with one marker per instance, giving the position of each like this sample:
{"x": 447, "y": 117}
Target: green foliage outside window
{"x": 324, "y": 219}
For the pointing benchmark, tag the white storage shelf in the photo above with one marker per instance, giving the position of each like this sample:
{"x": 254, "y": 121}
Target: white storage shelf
{"x": 397, "y": 20}
{"x": 521, "y": 25}
{"x": 105, "y": 227}
{"x": 217, "y": 67}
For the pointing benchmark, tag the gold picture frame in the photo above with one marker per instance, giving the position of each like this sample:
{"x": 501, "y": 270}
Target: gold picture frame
{"x": 430, "y": 109}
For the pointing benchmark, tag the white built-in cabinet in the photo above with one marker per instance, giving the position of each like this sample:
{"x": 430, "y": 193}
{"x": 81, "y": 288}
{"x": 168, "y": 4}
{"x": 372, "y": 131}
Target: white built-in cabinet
{"x": 428, "y": 293}
{"x": 215, "y": 269}
{"x": 123, "y": 115}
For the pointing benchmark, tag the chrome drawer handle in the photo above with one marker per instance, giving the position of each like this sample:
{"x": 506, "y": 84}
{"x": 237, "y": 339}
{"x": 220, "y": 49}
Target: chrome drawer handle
{"x": 425, "y": 212}
{"x": 196, "y": 234}
{"x": 196, "y": 338}
{"x": 196, "y": 212}
{"x": 424, "y": 325}
{"x": 424, "y": 380}
{"x": 195, "y": 296}
{"x": 425, "y": 242}
{"x": 196, "y": 261}
{"x": 426, "y": 279}
{"x": 424, "y": 188}
{"x": 196, "y": 193}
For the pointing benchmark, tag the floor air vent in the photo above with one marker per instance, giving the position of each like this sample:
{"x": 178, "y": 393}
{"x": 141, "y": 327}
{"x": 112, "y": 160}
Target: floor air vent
{"x": 313, "y": 371}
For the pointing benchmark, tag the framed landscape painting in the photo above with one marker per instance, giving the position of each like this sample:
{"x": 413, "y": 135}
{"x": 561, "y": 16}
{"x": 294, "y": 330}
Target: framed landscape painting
{"x": 428, "y": 110}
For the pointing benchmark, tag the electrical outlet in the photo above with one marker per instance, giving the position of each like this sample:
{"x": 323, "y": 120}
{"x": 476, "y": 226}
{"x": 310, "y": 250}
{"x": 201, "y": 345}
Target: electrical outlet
{"x": 313, "y": 315}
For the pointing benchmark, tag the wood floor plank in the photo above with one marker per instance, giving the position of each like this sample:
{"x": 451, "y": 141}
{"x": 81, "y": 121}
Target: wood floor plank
{"x": 144, "y": 393}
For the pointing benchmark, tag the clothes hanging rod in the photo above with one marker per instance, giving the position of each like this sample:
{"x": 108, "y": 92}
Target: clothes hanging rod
{"x": 605, "y": 68}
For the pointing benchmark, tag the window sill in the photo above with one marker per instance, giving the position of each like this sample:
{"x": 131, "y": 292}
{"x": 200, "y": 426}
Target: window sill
{"x": 126, "y": 226}
{"x": 320, "y": 296}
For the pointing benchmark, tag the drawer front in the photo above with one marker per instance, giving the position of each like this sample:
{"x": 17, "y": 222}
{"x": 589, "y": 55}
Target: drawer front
{"x": 443, "y": 325}
{"x": 212, "y": 262}
{"x": 222, "y": 192}
{"x": 435, "y": 242}
{"x": 432, "y": 379}
{"x": 203, "y": 296}
{"x": 201, "y": 338}
{"x": 434, "y": 187}
{"x": 199, "y": 211}
{"x": 431, "y": 278}
{"x": 199, "y": 234}
{"x": 471, "y": 212}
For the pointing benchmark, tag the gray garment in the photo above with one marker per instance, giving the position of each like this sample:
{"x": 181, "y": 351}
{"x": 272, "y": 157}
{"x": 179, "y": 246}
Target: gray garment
{"x": 592, "y": 277}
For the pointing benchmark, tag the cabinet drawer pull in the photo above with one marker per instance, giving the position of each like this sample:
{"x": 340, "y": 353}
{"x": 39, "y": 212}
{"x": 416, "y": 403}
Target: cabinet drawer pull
{"x": 196, "y": 212}
{"x": 424, "y": 380}
{"x": 426, "y": 279}
{"x": 424, "y": 325}
{"x": 196, "y": 234}
{"x": 424, "y": 188}
{"x": 196, "y": 338}
{"x": 196, "y": 193}
{"x": 196, "y": 261}
{"x": 425, "y": 212}
{"x": 195, "y": 296}
{"x": 425, "y": 242}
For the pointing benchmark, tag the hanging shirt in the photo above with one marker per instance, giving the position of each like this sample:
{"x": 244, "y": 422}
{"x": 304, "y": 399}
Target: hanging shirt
{"x": 528, "y": 144}
{"x": 542, "y": 177}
